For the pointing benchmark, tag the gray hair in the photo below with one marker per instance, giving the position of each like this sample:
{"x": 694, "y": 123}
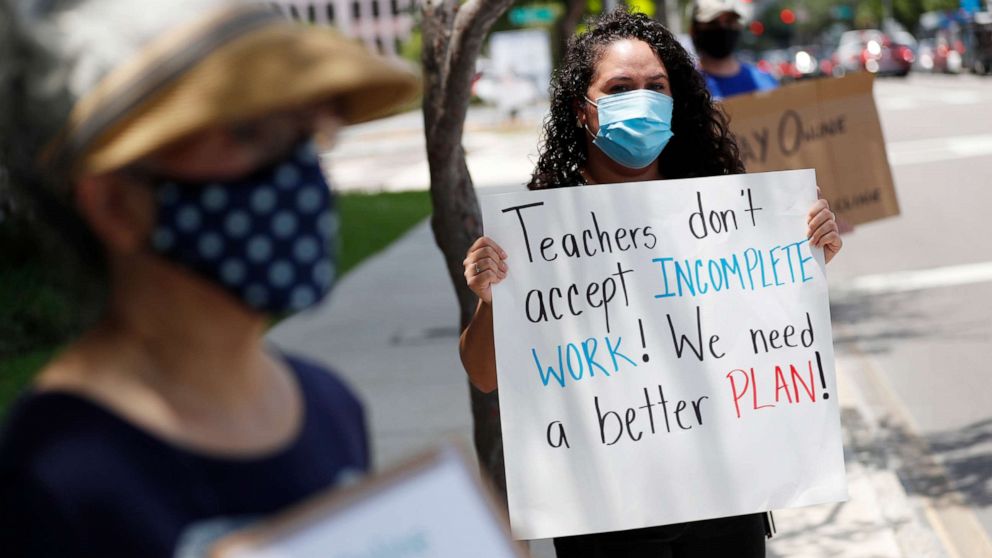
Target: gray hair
{"x": 52, "y": 54}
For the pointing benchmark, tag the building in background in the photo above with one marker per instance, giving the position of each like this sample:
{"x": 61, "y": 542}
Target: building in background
{"x": 383, "y": 25}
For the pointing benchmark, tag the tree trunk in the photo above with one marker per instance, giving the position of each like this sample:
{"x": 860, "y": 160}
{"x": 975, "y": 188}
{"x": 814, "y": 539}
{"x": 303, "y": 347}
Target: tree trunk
{"x": 453, "y": 33}
{"x": 661, "y": 12}
{"x": 566, "y": 25}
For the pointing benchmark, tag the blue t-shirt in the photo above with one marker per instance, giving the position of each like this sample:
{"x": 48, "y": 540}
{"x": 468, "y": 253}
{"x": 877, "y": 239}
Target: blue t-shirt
{"x": 747, "y": 80}
{"x": 78, "y": 480}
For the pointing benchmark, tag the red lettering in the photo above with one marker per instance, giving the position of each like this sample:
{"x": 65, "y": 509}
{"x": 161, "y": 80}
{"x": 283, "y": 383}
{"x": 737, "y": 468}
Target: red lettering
{"x": 733, "y": 389}
{"x": 810, "y": 388}
{"x": 754, "y": 393}
{"x": 781, "y": 385}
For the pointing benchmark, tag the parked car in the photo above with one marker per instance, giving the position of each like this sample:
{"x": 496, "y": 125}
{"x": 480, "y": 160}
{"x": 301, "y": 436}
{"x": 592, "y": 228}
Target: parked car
{"x": 806, "y": 60}
{"x": 872, "y": 51}
{"x": 779, "y": 63}
{"x": 943, "y": 35}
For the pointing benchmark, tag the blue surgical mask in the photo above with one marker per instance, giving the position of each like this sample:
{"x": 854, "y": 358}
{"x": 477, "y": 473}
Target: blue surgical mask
{"x": 634, "y": 126}
{"x": 267, "y": 239}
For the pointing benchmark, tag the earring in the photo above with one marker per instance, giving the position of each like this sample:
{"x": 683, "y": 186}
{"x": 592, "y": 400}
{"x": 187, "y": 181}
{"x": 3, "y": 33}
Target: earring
{"x": 578, "y": 123}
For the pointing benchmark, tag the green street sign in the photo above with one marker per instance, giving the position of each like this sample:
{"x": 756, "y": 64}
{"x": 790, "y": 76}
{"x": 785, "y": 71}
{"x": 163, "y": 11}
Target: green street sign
{"x": 533, "y": 15}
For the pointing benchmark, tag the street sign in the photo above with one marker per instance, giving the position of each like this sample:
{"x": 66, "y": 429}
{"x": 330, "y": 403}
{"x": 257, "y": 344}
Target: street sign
{"x": 534, "y": 15}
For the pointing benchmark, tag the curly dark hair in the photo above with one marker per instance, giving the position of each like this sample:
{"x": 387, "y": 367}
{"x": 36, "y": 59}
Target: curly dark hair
{"x": 702, "y": 144}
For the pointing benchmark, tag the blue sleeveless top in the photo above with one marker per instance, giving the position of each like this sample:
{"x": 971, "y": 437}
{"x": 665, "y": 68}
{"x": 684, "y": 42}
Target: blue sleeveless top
{"x": 747, "y": 80}
{"x": 78, "y": 480}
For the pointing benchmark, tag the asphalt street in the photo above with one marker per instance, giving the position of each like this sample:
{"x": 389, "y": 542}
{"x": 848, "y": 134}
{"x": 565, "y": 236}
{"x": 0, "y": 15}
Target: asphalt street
{"x": 913, "y": 303}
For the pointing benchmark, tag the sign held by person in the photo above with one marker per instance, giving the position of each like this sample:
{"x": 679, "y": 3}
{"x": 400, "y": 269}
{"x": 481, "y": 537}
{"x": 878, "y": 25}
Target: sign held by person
{"x": 664, "y": 353}
{"x": 828, "y": 124}
{"x": 432, "y": 507}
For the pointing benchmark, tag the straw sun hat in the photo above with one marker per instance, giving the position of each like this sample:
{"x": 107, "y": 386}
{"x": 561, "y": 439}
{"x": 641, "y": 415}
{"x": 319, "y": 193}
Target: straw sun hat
{"x": 141, "y": 75}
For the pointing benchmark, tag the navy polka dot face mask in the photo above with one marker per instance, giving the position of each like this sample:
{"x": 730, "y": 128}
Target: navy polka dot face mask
{"x": 268, "y": 239}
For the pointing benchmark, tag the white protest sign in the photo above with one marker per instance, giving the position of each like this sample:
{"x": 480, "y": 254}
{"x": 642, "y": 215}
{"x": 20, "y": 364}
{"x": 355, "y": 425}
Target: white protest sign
{"x": 431, "y": 508}
{"x": 664, "y": 353}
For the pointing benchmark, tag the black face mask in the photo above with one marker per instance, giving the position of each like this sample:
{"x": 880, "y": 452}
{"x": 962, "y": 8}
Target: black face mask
{"x": 717, "y": 42}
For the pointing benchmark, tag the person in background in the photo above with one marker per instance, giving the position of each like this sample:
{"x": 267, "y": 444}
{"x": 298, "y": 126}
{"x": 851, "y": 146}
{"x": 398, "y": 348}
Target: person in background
{"x": 715, "y": 29}
{"x": 171, "y": 143}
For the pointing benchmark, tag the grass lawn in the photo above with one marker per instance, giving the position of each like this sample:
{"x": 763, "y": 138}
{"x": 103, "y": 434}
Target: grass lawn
{"x": 369, "y": 223}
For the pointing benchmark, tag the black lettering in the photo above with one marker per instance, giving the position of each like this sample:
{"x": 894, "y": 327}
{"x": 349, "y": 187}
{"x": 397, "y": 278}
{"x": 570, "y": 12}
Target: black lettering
{"x": 648, "y": 406}
{"x": 551, "y": 302}
{"x": 701, "y": 216}
{"x": 586, "y": 237}
{"x": 570, "y": 246}
{"x": 523, "y": 226}
{"x": 542, "y": 316}
{"x": 602, "y": 423}
{"x": 678, "y": 414}
{"x": 623, "y": 282}
{"x": 546, "y": 243}
{"x": 648, "y": 233}
{"x": 559, "y": 439}
{"x": 631, "y": 415}
{"x": 790, "y": 116}
{"x": 809, "y": 330}
{"x": 697, "y": 408}
{"x": 621, "y": 234}
{"x": 604, "y": 237}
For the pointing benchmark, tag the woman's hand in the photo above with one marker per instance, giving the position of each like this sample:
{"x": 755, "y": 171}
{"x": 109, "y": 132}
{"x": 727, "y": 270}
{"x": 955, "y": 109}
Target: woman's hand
{"x": 485, "y": 266}
{"x": 822, "y": 230}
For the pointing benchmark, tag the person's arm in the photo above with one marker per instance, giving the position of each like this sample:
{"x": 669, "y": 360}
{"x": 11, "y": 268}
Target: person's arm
{"x": 485, "y": 266}
{"x": 477, "y": 349}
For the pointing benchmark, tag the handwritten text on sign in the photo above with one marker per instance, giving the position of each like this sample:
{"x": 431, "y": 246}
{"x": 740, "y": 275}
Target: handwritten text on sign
{"x": 664, "y": 353}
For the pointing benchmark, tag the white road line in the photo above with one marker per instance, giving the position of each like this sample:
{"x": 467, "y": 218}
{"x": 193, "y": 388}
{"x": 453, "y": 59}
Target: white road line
{"x": 912, "y": 100}
{"x": 913, "y": 152}
{"x": 904, "y": 281}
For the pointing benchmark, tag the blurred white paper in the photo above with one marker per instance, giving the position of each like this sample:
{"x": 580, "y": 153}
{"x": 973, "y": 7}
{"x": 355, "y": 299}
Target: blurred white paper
{"x": 605, "y": 425}
{"x": 431, "y": 508}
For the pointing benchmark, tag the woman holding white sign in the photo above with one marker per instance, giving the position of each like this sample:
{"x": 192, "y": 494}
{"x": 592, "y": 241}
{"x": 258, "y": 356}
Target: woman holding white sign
{"x": 628, "y": 105}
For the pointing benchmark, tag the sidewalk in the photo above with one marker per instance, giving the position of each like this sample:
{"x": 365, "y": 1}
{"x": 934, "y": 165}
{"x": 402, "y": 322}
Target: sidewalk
{"x": 390, "y": 330}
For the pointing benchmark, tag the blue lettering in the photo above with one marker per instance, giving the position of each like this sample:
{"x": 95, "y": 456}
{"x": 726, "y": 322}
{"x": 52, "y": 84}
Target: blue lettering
{"x": 591, "y": 356}
{"x": 551, "y": 372}
{"x": 751, "y": 266}
{"x": 735, "y": 269}
{"x": 802, "y": 260}
{"x": 568, "y": 360}
{"x": 615, "y": 352}
{"x": 664, "y": 278}
{"x": 788, "y": 258}
{"x": 716, "y": 275}
{"x": 761, "y": 262}
{"x": 771, "y": 255}
{"x": 703, "y": 287}
{"x": 683, "y": 274}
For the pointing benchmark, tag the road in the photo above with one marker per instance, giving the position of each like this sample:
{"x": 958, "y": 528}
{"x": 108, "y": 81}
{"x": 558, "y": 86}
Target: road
{"x": 912, "y": 306}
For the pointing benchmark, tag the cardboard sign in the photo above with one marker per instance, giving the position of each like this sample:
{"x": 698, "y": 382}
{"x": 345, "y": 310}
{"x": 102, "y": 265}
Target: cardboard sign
{"x": 664, "y": 353}
{"x": 431, "y": 508}
{"x": 827, "y": 124}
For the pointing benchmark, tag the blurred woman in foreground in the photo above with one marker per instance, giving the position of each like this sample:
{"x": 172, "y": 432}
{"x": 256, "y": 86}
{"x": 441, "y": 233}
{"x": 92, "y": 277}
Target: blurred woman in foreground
{"x": 173, "y": 143}
{"x": 628, "y": 105}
